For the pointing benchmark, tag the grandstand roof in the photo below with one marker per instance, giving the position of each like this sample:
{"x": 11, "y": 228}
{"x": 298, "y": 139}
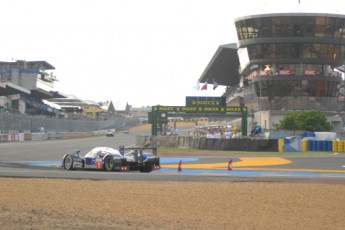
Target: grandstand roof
{"x": 30, "y": 64}
{"x": 7, "y": 88}
{"x": 223, "y": 67}
{"x": 42, "y": 94}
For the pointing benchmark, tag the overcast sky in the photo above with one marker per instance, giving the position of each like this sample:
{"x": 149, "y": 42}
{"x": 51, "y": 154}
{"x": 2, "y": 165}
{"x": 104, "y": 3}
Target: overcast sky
{"x": 144, "y": 52}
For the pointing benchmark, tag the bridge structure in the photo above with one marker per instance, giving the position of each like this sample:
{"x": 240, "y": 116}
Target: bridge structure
{"x": 160, "y": 113}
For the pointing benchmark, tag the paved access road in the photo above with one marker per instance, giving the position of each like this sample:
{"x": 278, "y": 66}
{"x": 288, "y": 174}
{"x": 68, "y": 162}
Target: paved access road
{"x": 25, "y": 159}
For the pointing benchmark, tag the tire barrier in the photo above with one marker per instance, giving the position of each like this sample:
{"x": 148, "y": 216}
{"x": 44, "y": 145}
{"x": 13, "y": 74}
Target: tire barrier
{"x": 338, "y": 146}
{"x": 260, "y": 145}
{"x": 324, "y": 145}
{"x": 320, "y": 145}
{"x": 304, "y": 145}
{"x": 281, "y": 145}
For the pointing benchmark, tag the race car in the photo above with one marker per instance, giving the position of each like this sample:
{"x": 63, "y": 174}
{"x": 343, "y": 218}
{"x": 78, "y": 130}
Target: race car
{"x": 109, "y": 134}
{"x": 109, "y": 159}
{"x": 104, "y": 158}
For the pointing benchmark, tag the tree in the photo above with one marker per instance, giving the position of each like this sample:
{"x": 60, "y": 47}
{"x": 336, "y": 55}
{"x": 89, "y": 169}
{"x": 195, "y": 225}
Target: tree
{"x": 310, "y": 120}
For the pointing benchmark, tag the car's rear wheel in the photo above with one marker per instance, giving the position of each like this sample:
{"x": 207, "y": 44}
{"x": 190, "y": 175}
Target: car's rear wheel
{"x": 68, "y": 162}
{"x": 109, "y": 163}
{"x": 145, "y": 169}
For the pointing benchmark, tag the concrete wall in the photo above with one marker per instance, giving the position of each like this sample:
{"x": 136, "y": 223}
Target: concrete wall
{"x": 204, "y": 143}
{"x": 28, "y": 80}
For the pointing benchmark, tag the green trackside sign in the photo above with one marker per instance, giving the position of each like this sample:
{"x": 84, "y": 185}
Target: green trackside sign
{"x": 198, "y": 109}
{"x": 206, "y": 101}
{"x": 218, "y": 110}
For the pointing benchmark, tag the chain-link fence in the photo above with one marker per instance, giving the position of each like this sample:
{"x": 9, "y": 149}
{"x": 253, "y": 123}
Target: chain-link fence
{"x": 14, "y": 123}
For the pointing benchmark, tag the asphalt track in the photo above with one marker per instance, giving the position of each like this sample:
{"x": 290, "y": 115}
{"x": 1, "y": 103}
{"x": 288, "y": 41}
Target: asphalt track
{"x": 42, "y": 159}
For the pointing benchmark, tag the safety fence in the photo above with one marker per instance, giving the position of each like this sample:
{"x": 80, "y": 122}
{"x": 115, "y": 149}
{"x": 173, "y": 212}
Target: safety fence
{"x": 298, "y": 144}
{"x": 49, "y": 136}
{"x": 20, "y": 123}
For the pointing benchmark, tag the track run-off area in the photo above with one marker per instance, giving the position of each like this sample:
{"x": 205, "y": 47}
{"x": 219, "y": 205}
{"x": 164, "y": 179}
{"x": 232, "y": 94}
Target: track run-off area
{"x": 331, "y": 166}
{"x": 44, "y": 159}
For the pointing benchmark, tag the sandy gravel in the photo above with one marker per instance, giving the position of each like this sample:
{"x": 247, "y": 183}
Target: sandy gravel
{"x": 89, "y": 204}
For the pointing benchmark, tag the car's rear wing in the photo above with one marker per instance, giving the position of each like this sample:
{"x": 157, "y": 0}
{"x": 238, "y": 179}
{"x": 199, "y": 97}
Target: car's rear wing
{"x": 137, "y": 150}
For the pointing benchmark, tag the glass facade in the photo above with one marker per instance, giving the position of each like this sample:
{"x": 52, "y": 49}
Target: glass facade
{"x": 292, "y": 74}
{"x": 291, "y": 26}
{"x": 296, "y": 88}
{"x": 284, "y": 100}
{"x": 297, "y": 51}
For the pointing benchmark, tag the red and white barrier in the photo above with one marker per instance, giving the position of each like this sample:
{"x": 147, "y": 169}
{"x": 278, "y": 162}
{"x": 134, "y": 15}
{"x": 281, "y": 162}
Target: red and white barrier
{"x": 9, "y": 137}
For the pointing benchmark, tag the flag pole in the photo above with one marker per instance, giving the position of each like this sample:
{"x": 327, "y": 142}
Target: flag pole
{"x": 299, "y": 5}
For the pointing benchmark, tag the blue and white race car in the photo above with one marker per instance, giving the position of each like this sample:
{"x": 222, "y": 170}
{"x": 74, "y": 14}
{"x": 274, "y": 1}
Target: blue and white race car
{"x": 109, "y": 159}
{"x": 104, "y": 158}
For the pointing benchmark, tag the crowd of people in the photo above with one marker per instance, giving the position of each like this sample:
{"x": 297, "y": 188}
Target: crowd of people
{"x": 216, "y": 132}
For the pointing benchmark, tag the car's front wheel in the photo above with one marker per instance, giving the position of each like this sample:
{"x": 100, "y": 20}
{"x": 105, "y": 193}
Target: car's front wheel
{"x": 108, "y": 163}
{"x": 68, "y": 162}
